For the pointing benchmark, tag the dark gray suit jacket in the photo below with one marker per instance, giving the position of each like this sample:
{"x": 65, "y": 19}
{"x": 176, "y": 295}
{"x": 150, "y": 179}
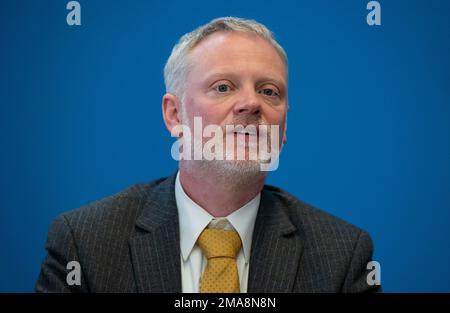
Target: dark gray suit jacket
{"x": 129, "y": 242}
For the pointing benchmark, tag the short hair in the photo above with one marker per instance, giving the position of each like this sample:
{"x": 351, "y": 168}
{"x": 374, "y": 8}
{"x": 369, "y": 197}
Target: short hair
{"x": 176, "y": 68}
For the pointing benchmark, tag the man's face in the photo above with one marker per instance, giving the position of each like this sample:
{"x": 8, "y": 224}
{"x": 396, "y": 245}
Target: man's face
{"x": 236, "y": 78}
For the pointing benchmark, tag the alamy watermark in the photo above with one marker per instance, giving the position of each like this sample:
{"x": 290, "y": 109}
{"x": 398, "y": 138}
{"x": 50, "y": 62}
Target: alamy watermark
{"x": 74, "y": 15}
{"x": 258, "y": 143}
{"x": 374, "y": 16}
{"x": 374, "y": 276}
{"x": 73, "y": 277}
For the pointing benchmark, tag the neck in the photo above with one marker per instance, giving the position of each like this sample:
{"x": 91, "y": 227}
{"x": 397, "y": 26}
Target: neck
{"x": 219, "y": 194}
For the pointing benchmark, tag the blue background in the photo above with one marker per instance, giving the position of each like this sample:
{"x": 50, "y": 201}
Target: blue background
{"x": 368, "y": 131}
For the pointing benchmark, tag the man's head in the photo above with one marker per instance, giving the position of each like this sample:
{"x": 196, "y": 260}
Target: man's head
{"x": 228, "y": 72}
{"x": 177, "y": 66}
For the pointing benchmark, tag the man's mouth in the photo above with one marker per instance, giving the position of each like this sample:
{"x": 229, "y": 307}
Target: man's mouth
{"x": 246, "y": 132}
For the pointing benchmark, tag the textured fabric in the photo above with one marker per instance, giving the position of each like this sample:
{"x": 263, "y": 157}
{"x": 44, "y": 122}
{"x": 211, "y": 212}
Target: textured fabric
{"x": 220, "y": 248}
{"x": 193, "y": 219}
{"x": 130, "y": 242}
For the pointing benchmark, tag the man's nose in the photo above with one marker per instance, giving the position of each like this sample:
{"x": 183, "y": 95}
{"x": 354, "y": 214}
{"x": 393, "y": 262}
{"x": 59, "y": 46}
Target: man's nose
{"x": 248, "y": 104}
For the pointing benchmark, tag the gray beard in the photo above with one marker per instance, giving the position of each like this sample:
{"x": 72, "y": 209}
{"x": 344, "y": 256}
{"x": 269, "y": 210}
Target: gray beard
{"x": 234, "y": 174}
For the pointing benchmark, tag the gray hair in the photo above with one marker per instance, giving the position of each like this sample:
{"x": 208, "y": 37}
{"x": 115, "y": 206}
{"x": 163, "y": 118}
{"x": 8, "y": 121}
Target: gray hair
{"x": 176, "y": 68}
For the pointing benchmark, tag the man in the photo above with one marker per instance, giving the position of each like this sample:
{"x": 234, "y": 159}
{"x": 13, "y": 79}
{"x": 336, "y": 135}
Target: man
{"x": 214, "y": 226}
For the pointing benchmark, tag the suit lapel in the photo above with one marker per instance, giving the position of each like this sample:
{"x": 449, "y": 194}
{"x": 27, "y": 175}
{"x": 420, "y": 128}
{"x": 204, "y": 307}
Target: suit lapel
{"x": 155, "y": 248}
{"x": 276, "y": 249}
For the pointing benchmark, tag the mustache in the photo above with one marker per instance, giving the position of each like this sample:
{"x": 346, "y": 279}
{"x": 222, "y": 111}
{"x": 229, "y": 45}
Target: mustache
{"x": 247, "y": 121}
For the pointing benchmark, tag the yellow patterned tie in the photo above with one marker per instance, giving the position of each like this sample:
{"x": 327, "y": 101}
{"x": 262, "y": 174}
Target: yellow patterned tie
{"x": 220, "y": 248}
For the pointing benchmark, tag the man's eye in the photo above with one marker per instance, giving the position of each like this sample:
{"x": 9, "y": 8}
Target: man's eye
{"x": 269, "y": 92}
{"x": 223, "y": 88}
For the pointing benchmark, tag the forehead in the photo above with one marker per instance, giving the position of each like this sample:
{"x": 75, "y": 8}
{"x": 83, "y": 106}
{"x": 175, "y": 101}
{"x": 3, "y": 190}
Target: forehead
{"x": 234, "y": 50}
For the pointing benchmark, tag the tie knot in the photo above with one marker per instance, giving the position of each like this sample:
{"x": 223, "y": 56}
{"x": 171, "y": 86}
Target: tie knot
{"x": 219, "y": 243}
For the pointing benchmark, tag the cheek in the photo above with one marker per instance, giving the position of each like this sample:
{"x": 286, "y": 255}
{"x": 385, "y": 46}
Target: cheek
{"x": 194, "y": 108}
{"x": 210, "y": 113}
{"x": 277, "y": 118}
{"x": 280, "y": 120}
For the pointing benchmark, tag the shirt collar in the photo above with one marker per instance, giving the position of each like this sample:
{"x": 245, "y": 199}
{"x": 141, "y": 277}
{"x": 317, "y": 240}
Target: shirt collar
{"x": 193, "y": 219}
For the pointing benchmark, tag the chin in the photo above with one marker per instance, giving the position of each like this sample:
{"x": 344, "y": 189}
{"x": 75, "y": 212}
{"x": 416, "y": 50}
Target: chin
{"x": 237, "y": 168}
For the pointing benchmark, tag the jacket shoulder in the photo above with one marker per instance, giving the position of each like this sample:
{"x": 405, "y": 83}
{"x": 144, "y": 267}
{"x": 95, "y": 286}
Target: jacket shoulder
{"x": 335, "y": 253}
{"x": 118, "y": 211}
{"x": 312, "y": 220}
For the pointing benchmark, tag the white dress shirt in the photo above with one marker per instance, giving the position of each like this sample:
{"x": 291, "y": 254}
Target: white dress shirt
{"x": 193, "y": 219}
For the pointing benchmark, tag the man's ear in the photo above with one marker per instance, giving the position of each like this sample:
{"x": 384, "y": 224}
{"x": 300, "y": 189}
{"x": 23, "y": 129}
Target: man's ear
{"x": 171, "y": 110}
{"x": 284, "y": 132}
